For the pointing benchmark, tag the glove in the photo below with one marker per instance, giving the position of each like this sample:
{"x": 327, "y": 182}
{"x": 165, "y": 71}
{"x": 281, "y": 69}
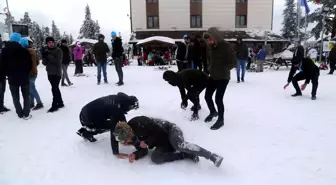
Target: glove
{"x": 184, "y": 104}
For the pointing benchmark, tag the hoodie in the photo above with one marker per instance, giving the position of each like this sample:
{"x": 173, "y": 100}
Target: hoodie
{"x": 78, "y": 52}
{"x": 52, "y": 59}
{"x": 117, "y": 49}
{"x": 220, "y": 56}
{"x": 100, "y": 49}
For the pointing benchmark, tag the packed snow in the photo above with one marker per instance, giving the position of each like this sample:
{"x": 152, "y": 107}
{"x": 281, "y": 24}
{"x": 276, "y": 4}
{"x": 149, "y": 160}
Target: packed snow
{"x": 269, "y": 138}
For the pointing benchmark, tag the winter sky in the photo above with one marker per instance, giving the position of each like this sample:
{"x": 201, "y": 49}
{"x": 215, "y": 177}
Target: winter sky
{"x": 111, "y": 14}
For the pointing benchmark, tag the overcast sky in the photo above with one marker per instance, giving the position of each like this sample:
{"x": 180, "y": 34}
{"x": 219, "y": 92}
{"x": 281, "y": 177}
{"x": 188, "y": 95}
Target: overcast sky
{"x": 111, "y": 14}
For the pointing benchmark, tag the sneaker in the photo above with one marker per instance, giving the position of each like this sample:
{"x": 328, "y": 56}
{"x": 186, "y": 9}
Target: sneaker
{"x": 216, "y": 159}
{"x": 64, "y": 85}
{"x": 38, "y": 106}
{"x": 120, "y": 83}
{"x": 192, "y": 157}
{"x": 211, "y": 116}
{"x": 219, "y": 123}
{"x": 27, "y": 117}
{"x": 313, "y": 97}
{"x": 53, "y": 109}
{"x": 296, "y": 94}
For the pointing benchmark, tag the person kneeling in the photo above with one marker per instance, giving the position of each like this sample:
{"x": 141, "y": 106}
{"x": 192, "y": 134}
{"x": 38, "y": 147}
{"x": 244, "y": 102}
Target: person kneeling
{"x": 308, "y": 71}
{"x": 166, "y": 137}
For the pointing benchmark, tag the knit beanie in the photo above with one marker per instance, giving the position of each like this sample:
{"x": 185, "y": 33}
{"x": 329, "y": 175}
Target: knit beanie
{"x": 113, "y": 34}
{"x": 15, "y": 37}
{"x": 48, "y": 39}
{"x": 24, "y": 42}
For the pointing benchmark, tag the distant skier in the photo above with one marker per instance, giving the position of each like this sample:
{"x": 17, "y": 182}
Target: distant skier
{"x": 166, "y": 137}
{"x": 308, "y": 72}
{"x": 195, "y": 81}
{"x": 102, "y": 114}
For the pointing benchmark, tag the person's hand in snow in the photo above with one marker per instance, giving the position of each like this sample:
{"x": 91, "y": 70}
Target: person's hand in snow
{"x": 122, "y": 156}
{"x": 131, "y": 158}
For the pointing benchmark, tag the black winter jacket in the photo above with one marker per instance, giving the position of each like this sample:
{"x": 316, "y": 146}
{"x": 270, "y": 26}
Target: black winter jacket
{"x": 181, "y": 53}
{"x": 309, "y": 69}
{"x": 67, "y": 55}
{"x": 100, "y": 49}
{"x": 52, "y": 59}
{"x": 298, "y": 55}
{"x": 242, "y": 51}
{"x": 16, "y": 63}
{"x": 117, "y": 48}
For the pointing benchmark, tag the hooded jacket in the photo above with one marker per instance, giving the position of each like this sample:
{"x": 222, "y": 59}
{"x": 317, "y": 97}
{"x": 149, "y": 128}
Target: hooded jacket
{"x": 309, "y": 69}
{"x": 242, "y": 50}
{"x": 78, "y": 52}
{"x": 117, "y": 49}
{"x": 35, "y": 61}
{"x": 221, "y": 56}
{"x": 100, "y": 49}
{"x": 66, "y": 59}
{"x": 52, "y": 59}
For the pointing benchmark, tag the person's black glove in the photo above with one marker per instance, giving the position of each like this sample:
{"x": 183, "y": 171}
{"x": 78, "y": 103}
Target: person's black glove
{"x": 184, "y": 104}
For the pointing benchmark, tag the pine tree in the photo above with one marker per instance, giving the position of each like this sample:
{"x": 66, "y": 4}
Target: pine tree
{"x": 46, "y": 31}
{"x": 88, "y": 27}
{"x": 9, "y": 19}
{"x": 317, "y": 16}
{"x": 66, "y": 37}
{"x": 55, "y": 32}
{"x": 71, "y": 40}
{"x": 289, "y": 23}
{"x": 37, "y": 35}
{"x": 97, "y": 28}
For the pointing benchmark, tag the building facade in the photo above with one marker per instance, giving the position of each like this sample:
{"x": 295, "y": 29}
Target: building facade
{"x": 174, "y": 18}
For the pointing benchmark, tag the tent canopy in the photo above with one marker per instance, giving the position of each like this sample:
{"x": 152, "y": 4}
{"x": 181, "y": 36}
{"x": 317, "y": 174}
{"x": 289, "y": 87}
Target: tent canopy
{"x": 160, "y": 39}
{"x": 84, "y": 41}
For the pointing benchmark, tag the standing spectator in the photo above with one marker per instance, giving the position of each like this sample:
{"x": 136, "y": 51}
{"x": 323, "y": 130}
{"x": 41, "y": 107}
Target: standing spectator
{"x": 17, "y": 64}
{"x": 197, "y": 57}
{"x": 100, "y": 51}
{"x": 78, "y": 52}
{"x": 117, "y": 55}
{"x": 34, "y": 95}
{"x": 3, "y": 108}
{"x": 182, "y": 54}
{"x": 66, "y": 59}
{"x": 242, "y": 56}
{"x": 312, "y": 54}
{"x": 221, "y": 60}
{"x": 261, "y": 56}
{"x": 52, "y": 58}
{"x": 332, "y": 59}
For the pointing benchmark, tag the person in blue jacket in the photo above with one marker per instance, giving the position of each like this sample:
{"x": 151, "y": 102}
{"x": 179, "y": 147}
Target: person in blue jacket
{"x": 261, "y": 56}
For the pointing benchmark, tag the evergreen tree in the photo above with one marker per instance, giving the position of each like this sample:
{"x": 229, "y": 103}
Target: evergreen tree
{"x": 55, "y": 32}
{"x": 71, "y": 40}
{"x": 66, "y": 37}
{"x": 88, "y": 27}
{"x": 37, "y": 35}
{"x": 290, "y": 22}
{"x": 46, "y": 31}
{"x": 9, "y": 19}
{"x": 97, "y": 28}
{"x": 317, "y": 16}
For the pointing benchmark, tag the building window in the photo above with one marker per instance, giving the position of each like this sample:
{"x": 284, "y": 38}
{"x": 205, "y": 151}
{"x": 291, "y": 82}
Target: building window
{"x": 152, "y": 22}
{"x": 241, "y": 1}
{"x": 195, "y": 21}
{"x": 241, "y": 21}
{"x": 152, "y": 1}
{"x": 195, "y": 1}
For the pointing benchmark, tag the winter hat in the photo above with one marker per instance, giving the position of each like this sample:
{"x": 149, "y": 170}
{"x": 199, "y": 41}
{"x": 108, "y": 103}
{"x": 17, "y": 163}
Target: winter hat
{"x": 113, "y": 34}
{"x": 186, "y": 36}
{"x": 24, "y": 42}
{"x": 15, "y": 37}
{"x": 122, "y": 132}
{"x": 101, "y": 37}
{"x": 63, "y": 41}
{"x": 48, "y": 39}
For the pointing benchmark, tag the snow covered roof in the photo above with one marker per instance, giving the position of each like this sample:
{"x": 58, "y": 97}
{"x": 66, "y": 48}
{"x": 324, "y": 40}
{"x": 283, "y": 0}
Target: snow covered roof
{"x": 157, "y": 39}
{"x": 90, "y": 41}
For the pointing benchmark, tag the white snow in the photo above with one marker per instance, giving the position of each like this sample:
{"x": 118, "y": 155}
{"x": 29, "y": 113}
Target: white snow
{"x": 269, "y": 137}
{"x": 91, "y": 41}
{"x": 158, "y": 39}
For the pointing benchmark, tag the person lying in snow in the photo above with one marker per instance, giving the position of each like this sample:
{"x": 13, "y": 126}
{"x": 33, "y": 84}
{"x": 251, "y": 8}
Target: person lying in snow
{"x": 195, "y": 81}
{"x": 166, "y": 137}
{"x": 102, "y": 115}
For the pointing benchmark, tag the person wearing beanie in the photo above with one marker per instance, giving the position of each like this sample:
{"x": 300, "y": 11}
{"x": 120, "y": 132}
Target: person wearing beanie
{"x": 34, "y": 95}
{"x": 166, "y": 137}
{"x": 182, "y": 54}
{"x": 100, "y": 52}
{"x": 66, "y": 59}
{"x": 17, "y": 64}
{"x": 52, "y": 59}
{"x": 78, "y": 53}
{"x": 117, "y": 55}
{"x": 101, "y": 115}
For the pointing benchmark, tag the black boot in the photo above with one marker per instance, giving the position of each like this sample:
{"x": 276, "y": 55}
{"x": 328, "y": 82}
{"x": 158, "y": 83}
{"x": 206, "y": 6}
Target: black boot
{"x": 192, "y": 157}
{"x": 120, "y": 83}
{"x": 32, "y": 105}
{"x": 313, "y": 97}
{"x": 219, "y": 123}
{"x": 296, "y": 94}
{"x": 4, "y": 109}
{"x": 211, "y": 116}
{"x": 198, "y": 107}
{"x": 38, "y": 106}
{"x": 53, "y": 109}
{"x": 60, "y": 105}
{"x": 86, "y": 135}
{"x": 216, "y": 159}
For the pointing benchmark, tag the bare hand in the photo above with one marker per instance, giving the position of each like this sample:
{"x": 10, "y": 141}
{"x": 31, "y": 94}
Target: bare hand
{"x": 286, "y": 85}
{"x": 303, "y": 87}
{"x": 143, "y": 144}
{"x": 131, "y": 158}
{"x": 122, "y": 156}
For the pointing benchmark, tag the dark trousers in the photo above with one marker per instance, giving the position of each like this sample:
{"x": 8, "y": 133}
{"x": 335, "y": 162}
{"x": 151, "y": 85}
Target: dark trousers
{"x": 2, "y": 92}
{"x": 79, "y": 67}
{"x": 101, "y": 66}
{"x": 94, "y": 127}
{"x": 15, "y": 91}
{"x": 332, "y": 67}
{"x": 57, "y": 96}
{"x": 182, "y": 65}
{"x": 193, "y": 96}
{"x": 118, "y": 62}
{"x": 198, "y": 64}
{"x": 205, "y": 65}
{"x": 165, "y": 154}
{"x": 219, "y": 86}
{"x": 300, "y": 76}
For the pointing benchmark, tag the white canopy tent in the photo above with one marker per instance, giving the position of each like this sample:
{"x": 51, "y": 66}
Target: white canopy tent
{"x": 161, "y": 39}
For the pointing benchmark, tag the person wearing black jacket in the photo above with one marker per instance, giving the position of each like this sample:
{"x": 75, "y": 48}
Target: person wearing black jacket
{"x": 308, "y": 72}
{"x": 101, "y": 115}
{"x": 65, "y": 62}
{"x": 100, "y": 51}
{"x": 196, "y": 53}
{"x": 16, "y": 63}
{"x": 298, "y": 55}
{"x": 194, "y": 81}
{"x": 3, "y": 108}
{"x": 242, "y": 56}
{"x": 332, "y": 59}
{"x": 117, "y": 55}
{"x": 166, "y": 137}
{"x": 182, "y": 54}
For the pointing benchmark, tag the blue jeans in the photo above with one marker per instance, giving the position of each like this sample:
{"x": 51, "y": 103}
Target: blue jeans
{"x": 34, "y": 95}
{"x": 241, "y": 64}
{"x": 100, "y": 66}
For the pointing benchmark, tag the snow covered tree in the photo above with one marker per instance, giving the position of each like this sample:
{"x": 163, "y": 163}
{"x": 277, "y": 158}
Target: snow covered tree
{"x": 71, "y": 40}
{"x": 317, "y": 16}
{"x": 46, "y": 31}
{"x": 289, "y": 23}
{"x": 9, "y": 19}
{"x": 55, "y": 32}
{"x": 88, "y": 27}
{"x": 26, "y": 20}
{"x": 37, "y": 35}
{"x": 97, "y": 28}
{"x": 66, "y": 37}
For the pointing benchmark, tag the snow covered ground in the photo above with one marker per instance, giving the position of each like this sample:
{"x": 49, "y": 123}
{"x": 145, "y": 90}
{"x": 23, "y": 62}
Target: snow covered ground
{"x": 269, "y": 137}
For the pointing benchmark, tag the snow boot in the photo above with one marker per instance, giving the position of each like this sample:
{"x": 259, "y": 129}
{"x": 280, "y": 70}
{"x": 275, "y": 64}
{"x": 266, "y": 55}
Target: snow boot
{"x": 120, "y": 83}
{"x": 297, "y": 94}
{"x": 219, "y": 123}
{"x": 211, "y": 116}
{"x": 216, "y": 159}
{"x": 192, "y": 157}
{"x": 38, "y": 106}
{"x": 4, "y": 109}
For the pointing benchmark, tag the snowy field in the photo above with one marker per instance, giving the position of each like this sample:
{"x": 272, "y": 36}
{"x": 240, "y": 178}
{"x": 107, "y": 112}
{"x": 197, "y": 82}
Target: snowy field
{"x": 269, "y": 137}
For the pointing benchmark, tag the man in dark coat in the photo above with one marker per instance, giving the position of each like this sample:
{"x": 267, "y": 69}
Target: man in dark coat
{"x": 332, "y": 59}
{"x": 16, "y": 63}
{"x": 242, "y": 56}
{"x": 221, "y": 59}
{"x": 3, "y": 108}
{"x": 66, "y": 59}
{"x": 100, "y": 51}
{"x": 308, "y": 72}
{"x": 298, "y": 55}
{"x": 117, "y": 55}
{"x": 182, "y": 54}
{"x": 197, "y": 53}
{"x": 166, "y": 137}
{"x": 194, "y": 81}
{"x": 52, "y": 58}
{"x": 102, "y": 114}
